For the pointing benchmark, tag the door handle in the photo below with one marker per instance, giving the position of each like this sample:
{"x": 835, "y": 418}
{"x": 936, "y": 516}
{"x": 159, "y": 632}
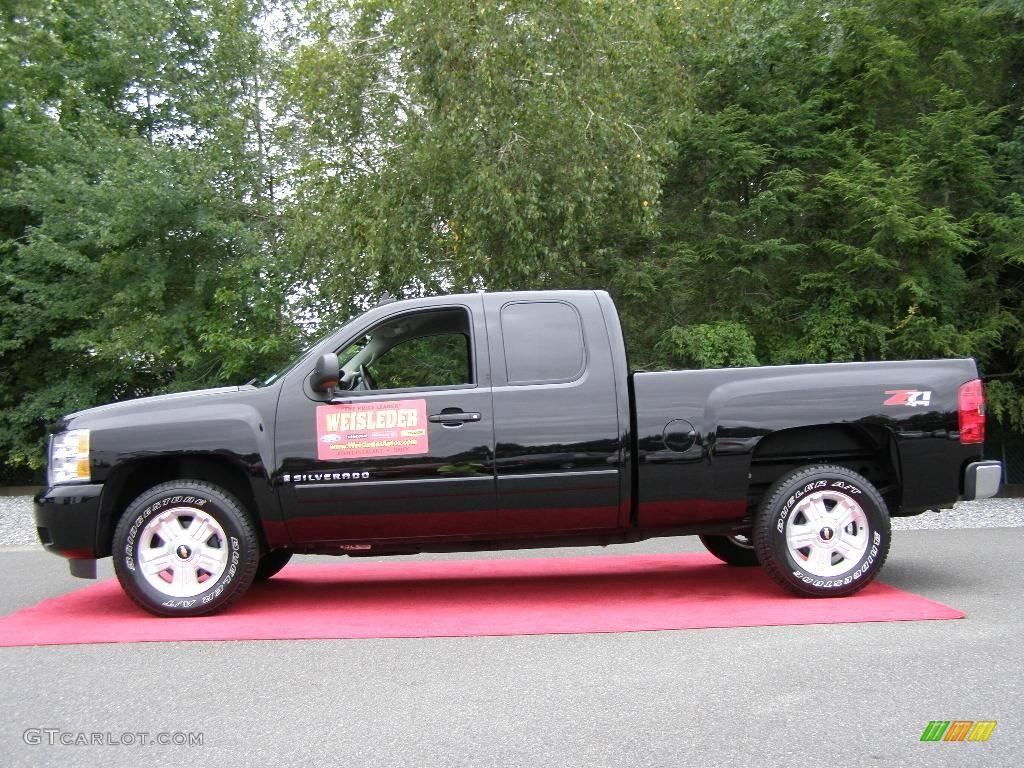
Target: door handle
{"x": 453, "y": 418}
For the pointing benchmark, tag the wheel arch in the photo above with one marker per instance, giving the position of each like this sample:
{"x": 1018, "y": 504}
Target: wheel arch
{"x": 127, "y": 481}
{"x": 868, "y": 449}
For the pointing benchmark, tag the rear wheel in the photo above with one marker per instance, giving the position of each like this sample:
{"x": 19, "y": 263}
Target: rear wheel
{"x": 185, "y": 548}
{"x": 822, "y": 531}
{"x": 737, "y": 549}
{"x": 271, "y": 564}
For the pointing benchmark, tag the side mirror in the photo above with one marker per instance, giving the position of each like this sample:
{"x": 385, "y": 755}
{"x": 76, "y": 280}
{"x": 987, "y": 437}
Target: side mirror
{"x": 326, "y": 374}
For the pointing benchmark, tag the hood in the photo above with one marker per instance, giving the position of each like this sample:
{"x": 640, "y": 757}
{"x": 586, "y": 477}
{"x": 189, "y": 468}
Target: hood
{"x": 156, "y": 402}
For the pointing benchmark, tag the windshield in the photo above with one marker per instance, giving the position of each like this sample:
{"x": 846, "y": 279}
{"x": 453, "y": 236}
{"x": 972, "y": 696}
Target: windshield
{"x": 275, "y": 376}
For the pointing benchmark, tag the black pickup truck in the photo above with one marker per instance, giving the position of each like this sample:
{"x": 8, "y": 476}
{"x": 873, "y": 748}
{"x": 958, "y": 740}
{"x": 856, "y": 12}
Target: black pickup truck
{"x": 504, "y": 421}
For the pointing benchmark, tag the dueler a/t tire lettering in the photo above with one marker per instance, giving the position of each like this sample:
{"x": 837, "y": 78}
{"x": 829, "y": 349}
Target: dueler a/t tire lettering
{"x": 185, "y": 548}
{"x": 822, "y": 531}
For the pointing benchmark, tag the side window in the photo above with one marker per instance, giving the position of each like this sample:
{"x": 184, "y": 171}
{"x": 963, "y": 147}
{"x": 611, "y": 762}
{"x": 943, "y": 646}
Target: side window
{"x": 421, "y": 349}
{"x": 428, "y": 361}
{"x": 543, "y": 342}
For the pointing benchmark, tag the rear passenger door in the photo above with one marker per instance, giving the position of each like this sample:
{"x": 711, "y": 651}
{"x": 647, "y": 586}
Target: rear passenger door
{"x": 558, "y": 441}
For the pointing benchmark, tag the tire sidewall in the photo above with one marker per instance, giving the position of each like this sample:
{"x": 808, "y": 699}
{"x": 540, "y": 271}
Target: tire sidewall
{"x": 779, "y": 509}
{"x": 239, "y": 539}
{"x": 730, "y": 552}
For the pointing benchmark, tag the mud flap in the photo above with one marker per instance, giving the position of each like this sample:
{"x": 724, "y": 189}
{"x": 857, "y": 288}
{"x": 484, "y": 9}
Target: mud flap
{"x": 82, "y": 569}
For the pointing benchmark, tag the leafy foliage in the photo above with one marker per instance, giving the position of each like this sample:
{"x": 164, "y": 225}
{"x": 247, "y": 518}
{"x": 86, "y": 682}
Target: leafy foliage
{"x": 187, "y": 188}
{"x": 714, "y": 345}
{"x": 446, "y": 146}
{"x": 137, "y": 232}
{"x": 427, "y": 361}
{"x": 847, "y": 187}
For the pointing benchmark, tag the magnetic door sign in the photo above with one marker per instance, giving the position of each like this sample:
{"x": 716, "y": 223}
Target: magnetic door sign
{"x": 362, "y": 430}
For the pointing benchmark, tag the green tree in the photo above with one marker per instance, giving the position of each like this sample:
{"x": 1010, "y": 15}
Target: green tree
{"x": 138, "y": 223}
{"x": 444, "y": 145}
{"x": 848, "y": 187}
{"x": 186, "y": 187}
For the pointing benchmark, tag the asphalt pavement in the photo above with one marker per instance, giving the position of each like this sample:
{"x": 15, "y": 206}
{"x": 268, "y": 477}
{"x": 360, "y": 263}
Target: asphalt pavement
{"x": 828, "y": 695}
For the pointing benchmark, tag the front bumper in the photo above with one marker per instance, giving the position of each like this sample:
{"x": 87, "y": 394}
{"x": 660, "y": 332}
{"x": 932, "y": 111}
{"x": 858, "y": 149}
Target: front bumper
{"x": 67, "y": 520}
{"x": 982, "y": 479}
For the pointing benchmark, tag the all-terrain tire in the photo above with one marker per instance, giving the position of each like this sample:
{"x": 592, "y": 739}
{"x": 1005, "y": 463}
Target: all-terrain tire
{"x": 822, "y": 531}
{"x": 185, "y": 548}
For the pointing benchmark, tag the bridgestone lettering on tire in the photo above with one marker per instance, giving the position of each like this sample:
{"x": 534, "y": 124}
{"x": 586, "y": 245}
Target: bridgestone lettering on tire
{"x": 185, "y": 548}
{"x": 822, "y": 531}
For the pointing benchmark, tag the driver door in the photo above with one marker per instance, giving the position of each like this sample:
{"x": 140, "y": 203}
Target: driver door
{"x": 408, "y": 450}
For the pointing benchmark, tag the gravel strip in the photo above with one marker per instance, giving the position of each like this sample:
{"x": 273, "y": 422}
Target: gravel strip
{"x": 989, "y": 513}
{"x": 17, "y": 528}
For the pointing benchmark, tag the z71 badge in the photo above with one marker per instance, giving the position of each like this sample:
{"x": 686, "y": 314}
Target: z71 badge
{"x": 911, "y": 397}
{"x": 366, "y": 430}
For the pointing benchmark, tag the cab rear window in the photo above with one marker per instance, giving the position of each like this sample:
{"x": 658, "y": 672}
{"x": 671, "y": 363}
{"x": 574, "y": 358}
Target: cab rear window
{"x": 543, "y": 342}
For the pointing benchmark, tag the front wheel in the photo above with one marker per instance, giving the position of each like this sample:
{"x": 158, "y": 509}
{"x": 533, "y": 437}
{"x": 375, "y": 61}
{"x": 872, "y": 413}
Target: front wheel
{"x": 822, "y": 531}
{"x": 185, "y": 548}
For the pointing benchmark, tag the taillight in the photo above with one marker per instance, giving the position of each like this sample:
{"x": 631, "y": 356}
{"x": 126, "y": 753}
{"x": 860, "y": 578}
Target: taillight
{"x": 971, "y": 402}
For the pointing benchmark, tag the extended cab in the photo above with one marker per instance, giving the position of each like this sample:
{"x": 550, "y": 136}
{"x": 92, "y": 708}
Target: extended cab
{"x": 502, "y": 421}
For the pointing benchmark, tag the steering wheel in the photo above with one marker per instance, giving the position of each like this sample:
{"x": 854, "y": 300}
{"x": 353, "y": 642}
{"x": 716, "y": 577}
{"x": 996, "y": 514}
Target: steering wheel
{"x": 365, "y": 379}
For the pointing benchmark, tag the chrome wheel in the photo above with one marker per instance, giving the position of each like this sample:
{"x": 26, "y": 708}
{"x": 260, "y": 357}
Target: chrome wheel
{"x": 182, "y": 552}
{"x": 185, "y": 548}
{"x": 827, "y": 533}
{"x": 822, "y": 531}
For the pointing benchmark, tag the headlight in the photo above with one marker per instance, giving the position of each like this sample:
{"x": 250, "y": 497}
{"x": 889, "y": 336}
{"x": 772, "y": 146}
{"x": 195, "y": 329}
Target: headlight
{"x": 69, "y": 457}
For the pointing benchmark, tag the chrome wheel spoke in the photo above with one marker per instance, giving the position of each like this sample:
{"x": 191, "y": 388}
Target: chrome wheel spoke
{"x": 832, "y": 523}
{"x": 185, "y": 576}
{"x": 173, "y": 568}
{"x": 848, "y": 546}
{"x": 845, "y": 513}
{"x": 167, "y": 528}
{"x": 814, "y": 510}
{"x": 818, "y": 559}
{"x": 802, "y": 536}
{"x": 211, "y": 560}
{"x": 155, "y": 559}
{"x": 200, "y": 531}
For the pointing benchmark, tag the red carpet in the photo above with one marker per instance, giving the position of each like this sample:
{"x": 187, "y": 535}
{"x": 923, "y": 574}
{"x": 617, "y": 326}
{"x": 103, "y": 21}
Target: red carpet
{"x": 458, "y": 598}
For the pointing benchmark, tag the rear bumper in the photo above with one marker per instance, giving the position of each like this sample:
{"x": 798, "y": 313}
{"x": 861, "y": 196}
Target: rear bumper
{"x": 982, "y": 479}
{"x": 67, "y": 519}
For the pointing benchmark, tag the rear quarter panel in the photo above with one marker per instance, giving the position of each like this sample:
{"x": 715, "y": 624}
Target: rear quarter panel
{"x": 705, "y": 477}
